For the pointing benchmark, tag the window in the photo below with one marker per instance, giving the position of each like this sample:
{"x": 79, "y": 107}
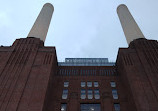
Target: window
{"x": 89, "y": 84}
{"x": 63, "y": 107}
{"x": 96, "y": 94}
{"x": 83, "y": 94}
{"x": 90, "y": 94}
{"x": 65, "y": 94}
{"x": 113, "y": 84}
{"x": 117, "y": 106}
{"x": 90, "y": 107}
{"x": 66, "y": 84}
{"x": 96, "y": 84}
{"x": 83, "y": 84}
{"x": 114, "y": 93}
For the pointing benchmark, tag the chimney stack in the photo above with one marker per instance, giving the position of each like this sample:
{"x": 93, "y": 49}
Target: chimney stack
{"x": 41, "y": 25}
{"x": 130, "y": 27}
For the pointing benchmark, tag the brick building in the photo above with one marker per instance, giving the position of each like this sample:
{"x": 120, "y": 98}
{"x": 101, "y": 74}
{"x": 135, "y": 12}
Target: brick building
{"x": 31, "y": 79}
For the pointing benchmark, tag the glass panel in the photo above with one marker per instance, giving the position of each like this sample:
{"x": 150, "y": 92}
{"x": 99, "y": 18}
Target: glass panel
{"x": 90, "y": 107}
{"x": 114, "y": 93}
{"x": 83, "y": 84}
{"x": 96, "y": 84}
{"x": 83, "y": 94}
{"x": 117, "y": 106}
{"x": 113, "y": 84}
{"x": 63, "y": 107}
{"x": 96, "y": 94}
{"x": 65, "y": 93}
{"x": 66, "y": 84}
{"x": 89, "y": 84}
{"x": 90, "y": 94}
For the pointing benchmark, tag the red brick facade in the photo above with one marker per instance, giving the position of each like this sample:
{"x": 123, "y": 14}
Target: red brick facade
{"x": 31, "y": 80}
{"x": 138, "y": 69}
{"x": 26, "y": 71}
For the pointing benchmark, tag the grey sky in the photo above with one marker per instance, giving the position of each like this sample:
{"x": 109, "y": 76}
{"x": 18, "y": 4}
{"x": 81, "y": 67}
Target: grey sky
{"x": 79, "y": 28}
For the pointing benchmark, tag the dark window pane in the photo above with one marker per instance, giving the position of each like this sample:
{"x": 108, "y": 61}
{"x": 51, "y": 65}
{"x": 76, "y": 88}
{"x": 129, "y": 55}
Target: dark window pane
{"x": 63, "y": 107}
{"x": 113, "y": 84}
{"x": 96, "y": 94}
{"x": 117, "y": 106}
{"x": 96, "y": 84}
{"x": 89, "y": 84}
{"x": 90, "y": 94}
{"x": 66, "y": 84}
{"x": 114, "y": 93}
{"x": 90, "y": 107}
{"x": 65, "y": 94}
{"x": 83, "y": 94}
{"x": 83, "y": 84}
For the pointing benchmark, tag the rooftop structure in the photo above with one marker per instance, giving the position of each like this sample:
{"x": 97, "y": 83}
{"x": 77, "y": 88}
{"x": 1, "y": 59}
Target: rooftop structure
{"x": 86, "y": 62}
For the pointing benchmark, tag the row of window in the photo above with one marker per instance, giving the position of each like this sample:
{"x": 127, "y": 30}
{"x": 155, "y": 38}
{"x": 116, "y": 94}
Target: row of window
{"x": 90, "y": 91}
{"x": 91, "y": 107}
{"x": 90, "y": 94}
{"x": 102, "y": 72}
{"x": 83, "y": 94}
{"x": 89, "y": 84}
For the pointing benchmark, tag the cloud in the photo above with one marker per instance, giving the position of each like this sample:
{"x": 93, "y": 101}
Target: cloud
{"x": 4, "y": 19}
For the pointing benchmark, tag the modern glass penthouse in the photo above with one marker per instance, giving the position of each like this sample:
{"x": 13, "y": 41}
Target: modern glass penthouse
{"x": 86, "y": 62}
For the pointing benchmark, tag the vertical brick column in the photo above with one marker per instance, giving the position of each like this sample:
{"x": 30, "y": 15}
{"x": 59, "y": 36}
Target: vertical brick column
{"x": 107, "y": 102}
{"x": 73, "y": 102}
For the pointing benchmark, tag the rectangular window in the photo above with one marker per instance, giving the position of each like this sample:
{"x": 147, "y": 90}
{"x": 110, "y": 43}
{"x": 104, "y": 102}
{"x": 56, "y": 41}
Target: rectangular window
{"x": 65, "y": 94}
{"x": 96, "y": 84}
{"x": 113, "y": 84}
{"x": 63, "y": 107}
{"x": 83, "y": 84}
{"x": 66, "y": 84}
{"x": 89, "y": 84}
{"x": 114, "y": 93}
{"x": 90, "y": 94}
{"x": 83, "y": 94}
{"x": 117, "y": 106}
{"x": 96, "y": 94}
{"x": 90, "y": 107}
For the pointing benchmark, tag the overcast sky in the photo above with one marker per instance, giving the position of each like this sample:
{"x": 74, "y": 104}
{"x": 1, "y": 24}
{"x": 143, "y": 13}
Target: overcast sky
{"x": 79, "y": 28}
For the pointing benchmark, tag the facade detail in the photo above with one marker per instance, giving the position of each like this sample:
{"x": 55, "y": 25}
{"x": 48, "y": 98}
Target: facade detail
{"x": 31, "y": 78}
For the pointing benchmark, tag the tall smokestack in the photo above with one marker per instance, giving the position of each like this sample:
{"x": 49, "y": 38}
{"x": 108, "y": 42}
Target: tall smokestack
{"x": 41, "y": 25}
{"x": 130, "y": 27}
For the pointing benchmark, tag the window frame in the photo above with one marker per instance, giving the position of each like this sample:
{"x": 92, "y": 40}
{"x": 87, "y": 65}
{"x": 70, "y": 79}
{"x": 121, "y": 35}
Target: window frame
{"x": 88, "y": 106}
{"x": 114, "y": 94}
{"x": 96, "y": 93}
{"x": 65, "y": 94}
{"x": 117, "y": 106}
{"x": 83, "y": 84}
{"x": 66, "y": 84}
{"x": 96, "y": 85}
{"x": 62, "y": 104}
{"x": 113, "y": 84}
{"x": 83, "y": 94}
{"x": 89, "y": 84}
{"x": 90, "y": 94}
